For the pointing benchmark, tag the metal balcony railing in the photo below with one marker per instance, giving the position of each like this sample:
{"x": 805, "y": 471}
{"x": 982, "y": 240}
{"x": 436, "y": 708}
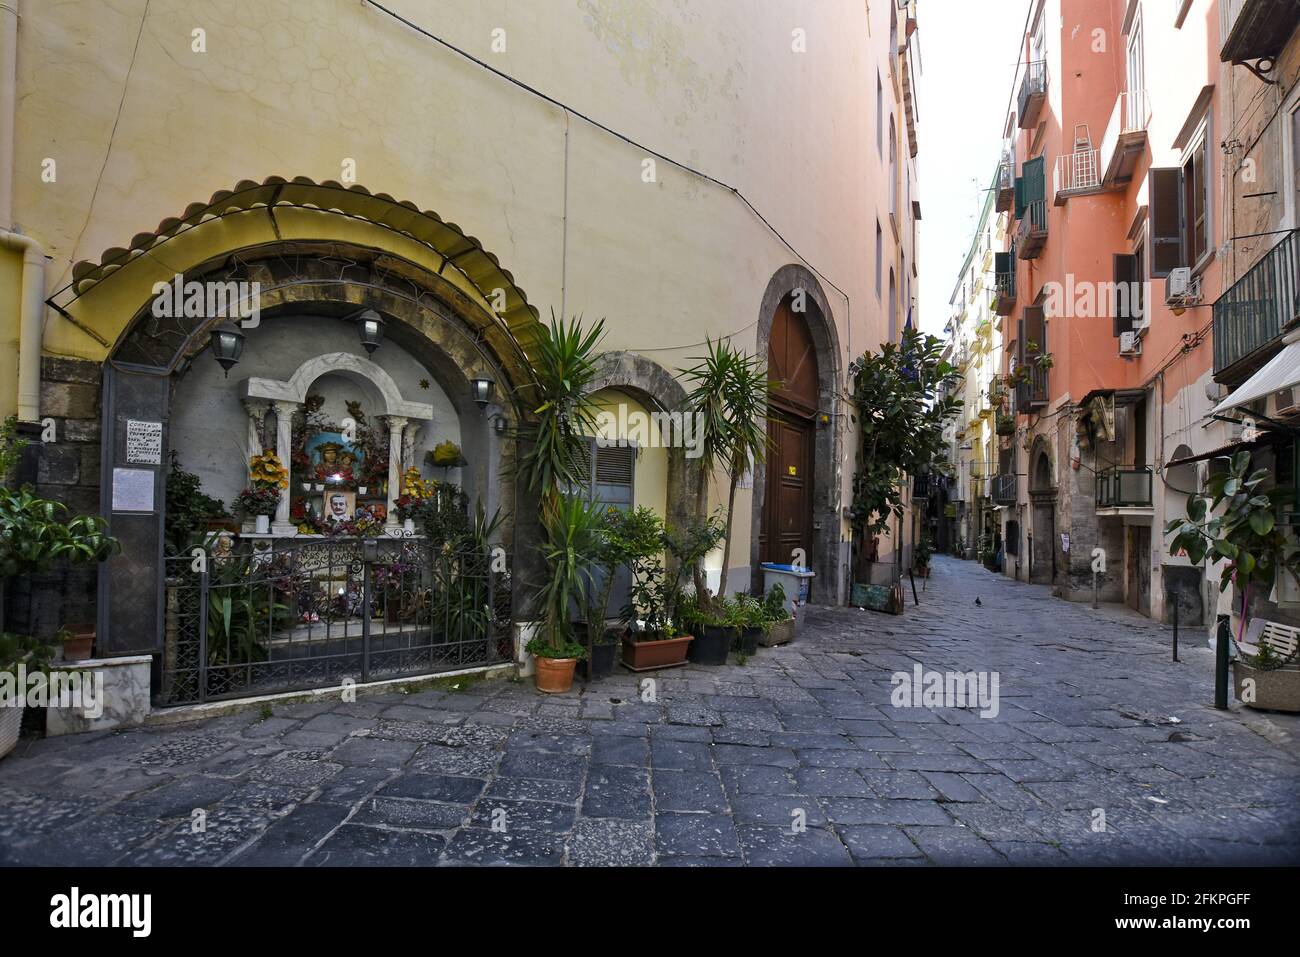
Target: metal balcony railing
{"x": 1033, "y": 90}
{"x": 1032, "y": 394}
{"x": 1077, "y": 172}
{"x": 1004, "y": 489}
{"x": 1255, "y": 309}
{"x": 1004, "y": 197}
{"x": 1003, "y": 299}
{"x": 1121, "y": 487}
{"x": 1125, "y": 136}
{"x": 1032, "y": 229}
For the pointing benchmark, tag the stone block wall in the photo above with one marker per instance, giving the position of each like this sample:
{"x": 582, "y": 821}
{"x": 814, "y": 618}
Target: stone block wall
{"x": 67, "y": 470}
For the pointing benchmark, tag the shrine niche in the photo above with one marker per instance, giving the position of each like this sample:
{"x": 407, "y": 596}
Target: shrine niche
{"x": 345, "y": 471}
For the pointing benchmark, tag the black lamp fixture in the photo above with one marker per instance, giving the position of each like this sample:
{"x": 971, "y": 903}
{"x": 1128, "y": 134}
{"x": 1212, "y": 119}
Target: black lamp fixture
{"x": 370, "y": 325}
{"x": 227, "y": 345}
{"x": 481, "y": 390}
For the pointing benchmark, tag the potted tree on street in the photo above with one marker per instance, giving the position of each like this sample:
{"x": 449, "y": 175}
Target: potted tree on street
{"x": 1238, "y": 523}
{"x": 553, "y": 466}
{"x": 728, "y": 402}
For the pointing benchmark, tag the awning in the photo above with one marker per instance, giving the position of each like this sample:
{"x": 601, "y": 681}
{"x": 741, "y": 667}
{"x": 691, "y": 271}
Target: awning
{"x": 1282, "y": 372}
{"x": 1232, "y": 448}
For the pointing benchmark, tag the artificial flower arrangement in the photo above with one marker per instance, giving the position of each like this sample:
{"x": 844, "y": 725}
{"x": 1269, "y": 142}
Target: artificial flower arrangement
{"x": 266, "y": 471}
{"x": 254, "y": 501}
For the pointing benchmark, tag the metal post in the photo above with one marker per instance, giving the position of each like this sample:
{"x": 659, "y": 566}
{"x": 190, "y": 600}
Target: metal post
{"x": 1221, "y": 664}
{"x": 203, "y": 632}
{"x": 1175, "y": 626}
{"x": 366, "y": 565}
{"x": 1094, "y": 588}
{"x": 912, "y": 578}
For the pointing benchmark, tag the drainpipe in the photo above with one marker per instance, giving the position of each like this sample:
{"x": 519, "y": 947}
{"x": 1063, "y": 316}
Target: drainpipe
{"x": 32, "y": 308}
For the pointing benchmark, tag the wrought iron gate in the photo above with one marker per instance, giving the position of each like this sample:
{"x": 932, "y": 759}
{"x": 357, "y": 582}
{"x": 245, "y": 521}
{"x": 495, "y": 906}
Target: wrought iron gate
{"x": 287, "y": 615}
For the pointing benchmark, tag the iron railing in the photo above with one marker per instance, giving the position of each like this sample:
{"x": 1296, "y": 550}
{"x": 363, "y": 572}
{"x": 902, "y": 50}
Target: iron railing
{"x": 1004, "y": 489}
{"x": 290, "y": 615}
{"x": 1033, "y": 220}
{"x": 1122, "y": 487}
{"x": 1032, "y": 89}
{"x": 1259, "y": 306}
{"x": 1004, "y": 291}
{"x": 1032, "y": 393}
{"x": 1076, "y": 172}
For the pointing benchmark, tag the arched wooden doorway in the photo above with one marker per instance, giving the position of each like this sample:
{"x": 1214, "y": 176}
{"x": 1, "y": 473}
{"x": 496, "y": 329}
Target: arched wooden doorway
{"x": 787, "y": 521}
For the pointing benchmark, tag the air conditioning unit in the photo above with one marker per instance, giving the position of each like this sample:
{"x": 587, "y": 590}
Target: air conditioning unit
{"x": 1182, "y": 288}
{"x": 1286, "y": 403}
{"x": 1130, "y": 344}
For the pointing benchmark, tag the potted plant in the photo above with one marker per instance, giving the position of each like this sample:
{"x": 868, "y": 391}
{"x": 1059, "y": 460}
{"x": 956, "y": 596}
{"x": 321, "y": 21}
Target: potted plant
{"x": 259, "y": 504}
{"x": 659, "y": 615}
{"x": 554, "y": 466}
{"x": 625, "y": 537}
{"x": 921, "y": 555}
{"x": 1237, "y": 522}
{"x": 729, "y": 402}
{"x": 77, "y": 641}
{"x": 777, "y": 619}
{"x": 747, "y": 612}
{"x": 34, "y": 656}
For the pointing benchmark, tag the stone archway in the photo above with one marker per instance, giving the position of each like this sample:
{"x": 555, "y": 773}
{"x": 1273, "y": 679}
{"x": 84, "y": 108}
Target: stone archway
{"x": 1042, "y": 529}
{"x": 660, "y": 391}
{"x": 429, "y": 317}
{"x": 825, "y": 551}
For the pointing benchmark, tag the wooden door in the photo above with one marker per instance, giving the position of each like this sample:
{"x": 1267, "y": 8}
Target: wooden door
{"x": 786, "y": 520}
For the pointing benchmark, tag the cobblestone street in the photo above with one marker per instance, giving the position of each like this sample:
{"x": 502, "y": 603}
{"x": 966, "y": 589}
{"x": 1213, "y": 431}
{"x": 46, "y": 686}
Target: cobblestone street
{"x": 1093, "y": 715}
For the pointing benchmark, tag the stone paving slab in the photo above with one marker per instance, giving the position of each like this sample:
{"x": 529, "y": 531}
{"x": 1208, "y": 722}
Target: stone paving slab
{"x": 1102, "y": 751}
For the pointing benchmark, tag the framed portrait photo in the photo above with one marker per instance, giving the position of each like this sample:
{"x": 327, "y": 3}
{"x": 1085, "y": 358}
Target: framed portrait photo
{"x": 338, "y": 505}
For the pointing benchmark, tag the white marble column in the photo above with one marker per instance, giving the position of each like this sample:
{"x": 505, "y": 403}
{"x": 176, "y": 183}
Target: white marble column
{"x": 396, "y": 426}
{"x": 284, "y": 449}
{"x": 257, "y": 410}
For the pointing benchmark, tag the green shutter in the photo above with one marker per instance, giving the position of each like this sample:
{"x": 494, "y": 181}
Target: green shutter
{"x": 1020, "y": 196}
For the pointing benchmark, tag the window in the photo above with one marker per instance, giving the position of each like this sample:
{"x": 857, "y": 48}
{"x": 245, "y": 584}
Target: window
{"x": 880, "y": 118}
{"x": 880, "y": 256}
{"x": 1135, "y": 61}
{"x": 1196, "y": 201}
{"x": 1126, "y": 312}
{"x": 893, "y": 307}
{"x": 893, "y": 171}
{"x": 1180, "y": 209}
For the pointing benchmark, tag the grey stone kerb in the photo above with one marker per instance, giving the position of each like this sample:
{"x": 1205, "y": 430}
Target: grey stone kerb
{"x": 825, "y": 553}
{"x": 294, "y": 389}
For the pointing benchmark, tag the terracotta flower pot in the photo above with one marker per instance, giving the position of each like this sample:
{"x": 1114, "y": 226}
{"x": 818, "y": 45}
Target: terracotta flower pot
{"x": 555, "y": 675}
{"x": 648, "y": 655}
{"x": 77, "y": 646}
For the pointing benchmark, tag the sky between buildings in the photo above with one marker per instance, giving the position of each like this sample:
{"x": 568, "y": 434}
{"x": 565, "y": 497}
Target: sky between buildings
{"x": 969, "y": 50}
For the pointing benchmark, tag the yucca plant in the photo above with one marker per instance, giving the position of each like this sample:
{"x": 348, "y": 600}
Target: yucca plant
{"x": 729, "y": 399}
{"x": 554, "y": 466}
{"x": 571, "y": 533}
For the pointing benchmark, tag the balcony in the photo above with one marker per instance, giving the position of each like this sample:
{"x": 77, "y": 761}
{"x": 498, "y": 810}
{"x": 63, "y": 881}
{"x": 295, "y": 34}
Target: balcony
{"x": 1076, "y": 174}
{"x": 1031, "y": 231}
{"x": 1003, "y": 301}
{"x": 1004, "y": 489}
{"x": 1126, "y": 137}
{"x": 1250, "y": 316}
{"x": 1257, "y": 30}
{"x": 1124, "y": 488}
{"x": 1004, "y": 195}
{"x": 1033, "y": 91}
{"x": 1031, "y": 395}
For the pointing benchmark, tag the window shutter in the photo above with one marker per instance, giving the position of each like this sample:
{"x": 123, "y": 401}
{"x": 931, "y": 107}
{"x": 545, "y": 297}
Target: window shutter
{"x": 614, "y": 468}
{"x": 1035, "y": 331}
{"x": 1166, "y": 220}
{"x": 1002, "y": 262}
{"x": 1126, "y": 278}
{"x": 1020, "y": 196}
{"x": 1035, "y": 187}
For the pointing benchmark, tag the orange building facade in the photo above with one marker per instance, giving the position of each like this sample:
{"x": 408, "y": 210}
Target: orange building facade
{"x": 1121, "y": 196}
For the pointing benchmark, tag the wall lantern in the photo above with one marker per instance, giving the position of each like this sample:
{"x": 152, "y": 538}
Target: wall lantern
{"x": 227, "y": 345}
{"x": 481, "y": 390}
{"x": 370, "y": 326}
{"x": 499, "y": 424}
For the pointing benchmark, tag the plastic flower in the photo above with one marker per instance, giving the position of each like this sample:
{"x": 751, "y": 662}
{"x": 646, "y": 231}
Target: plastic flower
{"x": 266, "y": 470}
